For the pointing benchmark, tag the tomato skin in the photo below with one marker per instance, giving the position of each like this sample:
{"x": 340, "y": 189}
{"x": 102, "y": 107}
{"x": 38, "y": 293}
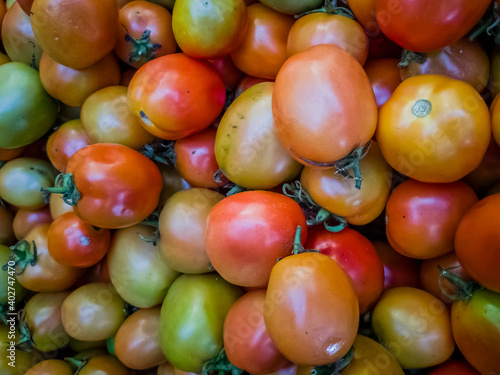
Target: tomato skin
{"x": 119, "y": 186}
{"x": 58, "y": 206}
{"x": 438, "y": 24}
{"x": 364, "y": 10}
{"x": 304, "y": 122}
{"x": 24, "y": 102}
{"x": 413, "y": 207}
{"x": 415, "y": 326}
{"x": 384, "y": 77}
{"x": 26, "y": 219}
{"x": 292, "y": 6}
{"x": 134, "y": 19}
{"x": 495, "y": 119}
{"x": 477, "y": 242}
{"x": 317, "y": 300}
{"x": 51, "y": 367}
{"x": 272, "y": 220}
{"x": 26, "y": 5}
{"x": 192, "y": 319}
{"x": 263, "y": 50}
{"x": 88, "y": 34}
{"x": 246, "y": 340}
{"x": 7, "y": 235}
{"x": 104, "y": 365}
{"x": 247, "y": 82}
{"x": 230, "y": 74}
{"x": 476, "y": 328}
{"x": 457, "y": 367}
{"x": 424, "y": 129}
{"x": 356, "y": 255}
{"x": 324, "y": 28}
{"x": 187, "y": 99}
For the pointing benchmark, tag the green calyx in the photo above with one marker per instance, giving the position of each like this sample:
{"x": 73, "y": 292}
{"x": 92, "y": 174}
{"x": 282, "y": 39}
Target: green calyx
{"x": 335, "y": 368}
{"x": 23, "y": 254}
{"x": 25, "y": 343}
{"x": 65, "y": 185}
{"x": 163, "y": 153}
{"x": 76, "y": 364}
{"x": 330, "y": 7}
{"x": 220, "y": 365}
{"x": 351, "y": 162}
{"x": 142, "y": 48}
{"x": 464, "y": 289}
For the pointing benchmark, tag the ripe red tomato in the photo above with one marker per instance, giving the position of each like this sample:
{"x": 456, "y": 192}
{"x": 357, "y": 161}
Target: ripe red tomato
{"x": 26, "y": 219}
{"x": 267, "y": 221}
{"x": 230, "y": 74}
{"x": 384, "y": 77}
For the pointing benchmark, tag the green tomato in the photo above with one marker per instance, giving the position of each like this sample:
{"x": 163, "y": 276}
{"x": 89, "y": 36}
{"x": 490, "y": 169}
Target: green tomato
{"x": 292, "y": 6}
{"x": 192, "y": 319}
{"x": 22, "y": 179}
{"x": 5, "y": 281}
{"x": 27, "y": 112}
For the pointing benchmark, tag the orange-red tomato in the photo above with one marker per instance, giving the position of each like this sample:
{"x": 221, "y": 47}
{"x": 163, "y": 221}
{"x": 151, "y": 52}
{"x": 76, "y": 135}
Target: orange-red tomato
{"x": 385, "y": 78}
{"x": 230, "y": 74}
{"x": 364, "y": 10}
{"x": 456, "y": 367}
{"x": 26, "y": 219}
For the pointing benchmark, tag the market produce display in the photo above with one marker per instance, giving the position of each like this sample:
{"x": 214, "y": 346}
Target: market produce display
{"x": 249, "y": 187}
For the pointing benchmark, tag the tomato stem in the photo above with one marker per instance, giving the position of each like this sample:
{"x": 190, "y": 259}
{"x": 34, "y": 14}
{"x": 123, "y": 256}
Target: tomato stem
{"x": 4, "y": 307}
{"x": 76, "y": 364}
{"x": 489, "y": 23}
{"x": 465, "y": 289}
{"x": 221, "y": 365}
{"x": 161, "y": 153}
{"x": 330, "y": 7}
{"x": 351, "y": 161}
{"x": 22, "y": 255}
{"x": 408, "y": 56}
{"x": 337, "y": 367}
{"x": 65, "y": 185}
{"x": 26, "y": 343}
{"x": 142, "y": 48}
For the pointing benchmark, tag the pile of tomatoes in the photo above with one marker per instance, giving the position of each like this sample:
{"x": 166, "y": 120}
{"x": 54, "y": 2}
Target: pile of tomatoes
{"x": 242, "y": 186}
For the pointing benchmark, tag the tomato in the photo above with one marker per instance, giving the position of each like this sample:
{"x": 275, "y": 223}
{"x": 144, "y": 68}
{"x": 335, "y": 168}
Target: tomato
{"x": 384, "y": 77}
{"x": 103, "y": 365}
{"x": 415, "y": 327}
{"x": 434, "y": 129}
{"x": 463, "y": 60}
{"x": 127, "y": 76}
{"x": 75, "y": 33}
{"x": 266, "y": 220}
{"x": 495, "y": 119}
{"x": 192, "y": 319}
{"x": 364, "y": 10}
{"x": 25, "y": 103}
{"x": 25, "y": 5}
{"x": 14, "y": 361}
{"x": 488, "y": 172}
{"x": 247, "y": 147}
{"x": 10, "y": 153}
{"x": 246, "y": 340}
{"x": 17, "y": 292}
{"x": 230, "y": 74}
{"x": 144, "y": 33}
{"x": 7, "y": 236}
{"x": 137, "y": 270}
{"x": 292, "y": 6}
{"x": 43, "y": 316}
{"x": 22, "y": 179}
{"x": 38, "y": 271}
{"x": 477, "y": 242}
{"x": 324, "y": 28}
{"x": 457, "y": 367}
{"x": 169, "y": 4}
{"x": 398, "y": 269}
{"x": 118, "y": 186}
{"x": 371, "y": 357}
{"x": 93, "y": 312}
{"x": 207, "y": 29}
{"x": 106, "y": 118}
{"x": 421, "y": 218}
{"x": 246, "y": 83}
{"x": 339, "y": 195}
{"x": 73, "y": 86}
{"x": 380, "y": 46}
{"x": 311, "y": 309}
{"x": 82, "y": 346}
{"x": 3, "y": 10}
{"x": 263, "y": 50}
{"x": 356, "y": 255}
{"x": 27, "y": 219}
{"x": 51, "y": 367}
{"x": 195, "y": 159}
{"x": 187, "y": 99}
{"x": 4, "y": 59}
{"x": 423, "y": 26}
{"x": 137, "y": 342}
{"x": 303, "y": 110}
{"x": 57, "y": 206}
{"x": 182, "y": 228}
{"x": 172, "y": 183}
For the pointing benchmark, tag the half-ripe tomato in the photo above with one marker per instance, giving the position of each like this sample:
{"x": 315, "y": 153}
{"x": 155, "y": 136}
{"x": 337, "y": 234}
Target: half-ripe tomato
{"x": 103, "y": 364}
{"x": 74, "y": 33}
{"x": 427, "y": 25}
{"x": 415, "y": 326}
{"x": 454, "y": 367}
{"x": 263, "y": 50}
{"x": 51, "y": 367}
{"x": 311, "y": 309}
{"x": 314, "y": 131}
{"x": 176, "y": 95}
{"x": 421, "y": 219}
{"x": 246, "y": 340}
{"x": 357, "y": 257}
{"x": 495, "y": 118}
{"x": 230, "y": 74}
{"x": 364, "y": 10}
{"x": 247, "y": 147}
{"x": 477, "y": 242}
{"x": 209, "y": 29}
{"x": 267, "y": 221}
{"x": 58, "y": 206}
{"x": 384, "y": 77}
{"x": 292, "y": 6}
{"x": 144, "y": 33}
{"x": 26, "y": 219}
{"x": 324, "y": 28}
{"x": 116, "y": 186}
{"x": 434, "y": 128}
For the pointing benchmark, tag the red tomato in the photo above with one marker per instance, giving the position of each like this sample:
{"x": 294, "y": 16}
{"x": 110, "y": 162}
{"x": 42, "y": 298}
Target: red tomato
{"x": 384, "y": 77}
{"x": 357, "y": 257}
{"x": 230, "y": 74}
{"x": 456, "y": 367}
{"x": 267, "y": 221}
{"x": 247, "y": 82}
{"x": 26, "y": 219}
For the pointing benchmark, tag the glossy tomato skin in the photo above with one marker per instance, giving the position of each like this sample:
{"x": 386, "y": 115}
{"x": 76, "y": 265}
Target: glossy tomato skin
{"x": 364, "y": 10}
{"x": 88, "y": 33}
{"x": 247, "y": 82}
{"x": 384, "y": 77}
{"x": 176, "y": 96}
{"x": 267, "y": 220}
{"x": 317, "y": 300}
{"x": 303, "y": 109}
{"x": 246, "y": 340}
{"x": 357, "y": 257}
{"x": 247, "y": 147}
{"x": 27, "y": 219}
{"x": 456, "y": 367}
{"x": 104, "y": 365}
{"x": 192, "y": 319}
{"x": 230, "y": 74}
{"x": 263, "y": 50}
{"x": 137, "y": 17}
{"x": 119, "y": 186}
{"x": 477, "y": 242}
{"x": 24, "y": 102}
{"x": 415, "y": 207}
{"x": 423, "y": 26}
{"x": 415, "y": 326}
{"x": 58, "y": 206}
{"x": 51, "y": 367}
{"x": 429, "y": 124}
